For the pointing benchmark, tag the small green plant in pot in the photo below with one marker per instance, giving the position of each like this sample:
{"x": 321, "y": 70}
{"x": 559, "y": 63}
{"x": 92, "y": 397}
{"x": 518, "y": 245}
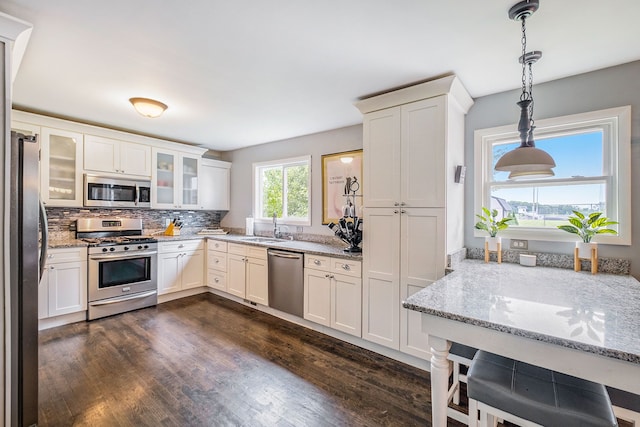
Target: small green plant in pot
{"x": 489, "y": 222}
{"x": 588, "y": 226}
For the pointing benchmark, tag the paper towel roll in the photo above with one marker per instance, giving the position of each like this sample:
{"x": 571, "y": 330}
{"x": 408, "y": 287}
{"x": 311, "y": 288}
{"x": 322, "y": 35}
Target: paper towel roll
{"x": 249, "y": 227}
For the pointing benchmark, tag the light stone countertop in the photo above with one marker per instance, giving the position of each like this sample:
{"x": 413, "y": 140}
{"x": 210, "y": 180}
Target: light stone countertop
{"x": 314, "y": 248}
{"x": 594, "y": 313}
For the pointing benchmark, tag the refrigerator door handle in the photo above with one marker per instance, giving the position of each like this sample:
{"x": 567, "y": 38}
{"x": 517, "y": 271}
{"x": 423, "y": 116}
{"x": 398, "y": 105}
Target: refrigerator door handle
{"x": 45, "y": 238}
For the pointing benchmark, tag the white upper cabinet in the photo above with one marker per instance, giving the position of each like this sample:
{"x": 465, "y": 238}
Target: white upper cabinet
{"x": 381, "y": 143}
{"x": 175, "y": 180}
{"x": 404, "y": 155}
{"x": 61, "y": 167}
{"x": 215, "y": 185}
{"x": 114, "y": 156}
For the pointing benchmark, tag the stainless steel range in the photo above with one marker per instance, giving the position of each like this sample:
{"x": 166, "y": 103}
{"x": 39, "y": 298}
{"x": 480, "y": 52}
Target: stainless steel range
{"x": 122, "y": 265}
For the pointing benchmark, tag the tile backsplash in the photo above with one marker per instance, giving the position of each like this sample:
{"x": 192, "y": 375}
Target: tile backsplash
{"x": 62, "y": 220}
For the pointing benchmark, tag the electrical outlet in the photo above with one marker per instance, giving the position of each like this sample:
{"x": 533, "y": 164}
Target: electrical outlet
{"x": 299, "y": 229}
{"x": 167, "y": 221}
{"x": 521, "y": 245}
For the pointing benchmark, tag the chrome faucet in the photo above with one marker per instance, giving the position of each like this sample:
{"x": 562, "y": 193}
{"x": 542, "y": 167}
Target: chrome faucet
{"x": 275, "y": 226}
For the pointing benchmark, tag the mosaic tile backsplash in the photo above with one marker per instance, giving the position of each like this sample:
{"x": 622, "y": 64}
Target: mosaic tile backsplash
{"x": 62, "y": 220}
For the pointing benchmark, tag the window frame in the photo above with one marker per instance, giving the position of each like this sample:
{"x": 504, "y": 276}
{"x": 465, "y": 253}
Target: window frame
{"x": 257, "y": 191}
{"x": 616, "y": 126}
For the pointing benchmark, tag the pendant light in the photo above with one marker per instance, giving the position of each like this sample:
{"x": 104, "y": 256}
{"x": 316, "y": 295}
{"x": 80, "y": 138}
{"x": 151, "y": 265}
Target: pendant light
{"x": 526, "y": 161}
{"x": 148, "y": 107}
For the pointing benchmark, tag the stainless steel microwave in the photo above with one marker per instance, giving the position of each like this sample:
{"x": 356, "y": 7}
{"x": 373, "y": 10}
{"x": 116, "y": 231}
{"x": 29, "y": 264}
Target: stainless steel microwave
{"x": 106, "y": 191}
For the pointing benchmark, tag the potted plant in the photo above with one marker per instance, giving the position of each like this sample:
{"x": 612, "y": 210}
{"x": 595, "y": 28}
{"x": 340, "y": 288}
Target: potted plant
{"x": 587, "y": 227}
{"x": 489, "y": 222}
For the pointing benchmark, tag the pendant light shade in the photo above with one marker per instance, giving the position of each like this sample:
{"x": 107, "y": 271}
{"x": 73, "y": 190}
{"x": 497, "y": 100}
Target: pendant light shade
{"x": 526, "y": 161}
{"x": 148, "y": 107}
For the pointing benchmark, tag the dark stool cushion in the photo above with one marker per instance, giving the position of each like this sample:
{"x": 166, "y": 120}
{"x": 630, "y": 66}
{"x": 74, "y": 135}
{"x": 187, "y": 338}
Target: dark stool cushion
{"x": 624, "y": 399}
{"x": 463, "y": 350}
{"x": 537, "y": 394}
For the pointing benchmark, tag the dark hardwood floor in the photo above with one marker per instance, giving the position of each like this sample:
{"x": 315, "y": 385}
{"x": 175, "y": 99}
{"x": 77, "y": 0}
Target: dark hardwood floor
{"x": 207, "y": 361}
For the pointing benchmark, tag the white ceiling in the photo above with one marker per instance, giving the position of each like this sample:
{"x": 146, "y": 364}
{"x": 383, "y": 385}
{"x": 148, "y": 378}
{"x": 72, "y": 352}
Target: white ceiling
{"x": 239, "y": 73}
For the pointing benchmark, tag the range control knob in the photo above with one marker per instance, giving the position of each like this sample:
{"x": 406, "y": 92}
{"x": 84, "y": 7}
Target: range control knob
{"x": 126, "y": 248}
{"x": 140, "y": 247}
{"x": 112, "y": 249}
{"x": 104, "y": 249}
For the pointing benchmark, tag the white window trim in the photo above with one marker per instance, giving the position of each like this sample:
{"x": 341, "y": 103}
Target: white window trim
{"x": 256, "y": 194}
{"x": 619, "y": 136}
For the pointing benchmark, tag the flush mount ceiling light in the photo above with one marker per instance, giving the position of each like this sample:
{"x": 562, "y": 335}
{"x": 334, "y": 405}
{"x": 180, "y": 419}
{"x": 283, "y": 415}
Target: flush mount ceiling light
{"x": 526, "y": 161}
{"x": 148, "y": 107}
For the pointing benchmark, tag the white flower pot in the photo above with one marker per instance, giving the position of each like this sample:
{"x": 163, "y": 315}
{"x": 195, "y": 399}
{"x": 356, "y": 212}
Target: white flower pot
{"x": 584, "y": 249}
{"x": 492, "y": 243}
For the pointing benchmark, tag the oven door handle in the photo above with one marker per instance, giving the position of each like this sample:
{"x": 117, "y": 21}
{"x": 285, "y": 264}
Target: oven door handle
{"x": 121, "y": 256}
{"x": 120, "y": 299}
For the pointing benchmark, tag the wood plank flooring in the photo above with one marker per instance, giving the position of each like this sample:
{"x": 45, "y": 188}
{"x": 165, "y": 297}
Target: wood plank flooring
{"x": 207, "y": 361}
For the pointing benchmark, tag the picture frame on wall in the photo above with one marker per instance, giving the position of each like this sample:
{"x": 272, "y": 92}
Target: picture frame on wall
{"x": 336, "y": 168}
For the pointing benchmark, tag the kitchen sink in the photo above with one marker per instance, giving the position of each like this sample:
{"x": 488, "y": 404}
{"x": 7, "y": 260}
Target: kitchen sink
{"x": 261, "y": 240}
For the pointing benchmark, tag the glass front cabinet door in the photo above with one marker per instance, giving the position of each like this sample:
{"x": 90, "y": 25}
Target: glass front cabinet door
{"x": 61, "y": 167}
{"x": 175, "y": 180}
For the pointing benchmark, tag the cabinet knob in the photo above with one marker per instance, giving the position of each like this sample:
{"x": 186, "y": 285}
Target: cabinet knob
{"x": 180, "y": 246}
{"x": 403, "y": 204}
{"x": 395, "y": 211}
{"x": 216, "y": 280}
{"x": 327, "y": 276}
{"x": 346, "y": 267}
{"x": 403, "y": 211}
{"x": 316, "y": 261}
{"x": 50, "y": 256}
{"x": 51, "y": 267}
{"x": 217, "y": 261}
{"x": 396, "y": 204}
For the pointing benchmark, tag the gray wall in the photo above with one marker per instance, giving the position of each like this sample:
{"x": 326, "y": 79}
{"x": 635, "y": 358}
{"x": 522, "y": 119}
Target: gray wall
{"x": 611, "y": 87}
{"x": 333, "y": 141}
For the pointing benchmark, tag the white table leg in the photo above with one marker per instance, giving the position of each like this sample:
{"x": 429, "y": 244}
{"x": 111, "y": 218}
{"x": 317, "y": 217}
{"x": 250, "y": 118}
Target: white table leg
{"x": 439, "y": 379}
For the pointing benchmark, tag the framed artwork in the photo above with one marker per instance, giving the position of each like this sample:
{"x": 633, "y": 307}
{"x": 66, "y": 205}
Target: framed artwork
{"x": 339, "y": 170}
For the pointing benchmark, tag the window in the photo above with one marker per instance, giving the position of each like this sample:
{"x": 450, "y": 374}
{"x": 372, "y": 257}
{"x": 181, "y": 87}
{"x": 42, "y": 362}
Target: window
{"x": 593, "y": 174}
{"x": 283, "y": 187}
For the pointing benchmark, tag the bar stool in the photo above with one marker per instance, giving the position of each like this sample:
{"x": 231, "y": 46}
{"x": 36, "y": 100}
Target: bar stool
{"x": 626, "y": 405}
{"x": 531, "y": 396}
{"x": 459, "y": 354}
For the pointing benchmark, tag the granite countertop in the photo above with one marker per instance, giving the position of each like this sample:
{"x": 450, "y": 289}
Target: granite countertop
{"x": 595, "y": 313}
{"x": 314, "y": 248}
{"x": 291, "y": 245}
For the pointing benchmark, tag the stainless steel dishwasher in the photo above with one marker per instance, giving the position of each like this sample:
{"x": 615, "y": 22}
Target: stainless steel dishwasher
{"x": 286, "y": 281}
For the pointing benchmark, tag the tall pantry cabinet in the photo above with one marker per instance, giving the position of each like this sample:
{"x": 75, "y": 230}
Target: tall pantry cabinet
{"x": 413, "y": 210}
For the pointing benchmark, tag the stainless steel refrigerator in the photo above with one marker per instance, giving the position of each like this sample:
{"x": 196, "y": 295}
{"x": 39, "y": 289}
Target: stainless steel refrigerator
{"x": 26, "y": 213}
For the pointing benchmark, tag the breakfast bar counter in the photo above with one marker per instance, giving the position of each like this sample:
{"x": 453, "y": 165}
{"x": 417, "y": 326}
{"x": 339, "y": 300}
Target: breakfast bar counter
{"x": 581, "y": 324}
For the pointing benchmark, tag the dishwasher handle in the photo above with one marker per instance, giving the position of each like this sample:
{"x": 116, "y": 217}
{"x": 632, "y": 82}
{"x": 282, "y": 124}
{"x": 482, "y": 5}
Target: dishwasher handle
{"x": 283, "y": 254}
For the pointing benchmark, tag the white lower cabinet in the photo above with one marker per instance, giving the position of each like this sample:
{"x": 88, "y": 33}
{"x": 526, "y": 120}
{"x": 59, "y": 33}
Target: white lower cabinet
{"x": 63, "y": 288}
{"x": 217, "y": 265}
{"x": 181, "y": 266}
{"x": 333, "y": 293}
{"x": 247, "y": 273}
{"x": 404, "y": 255}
